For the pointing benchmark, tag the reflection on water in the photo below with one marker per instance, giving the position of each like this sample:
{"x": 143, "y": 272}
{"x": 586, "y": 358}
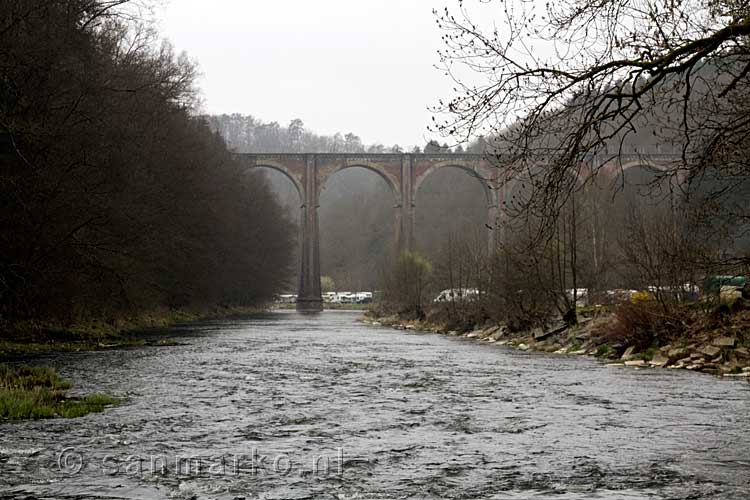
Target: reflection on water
{"x": 293, "y": 406}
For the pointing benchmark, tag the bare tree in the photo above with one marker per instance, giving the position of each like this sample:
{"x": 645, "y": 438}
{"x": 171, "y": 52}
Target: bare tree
{"x": 573, "y": 85}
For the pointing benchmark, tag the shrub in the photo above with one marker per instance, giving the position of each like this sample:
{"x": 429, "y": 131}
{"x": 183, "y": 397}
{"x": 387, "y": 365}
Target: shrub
{"x": 643, "y": 325}
{"x": 603, "y": 351}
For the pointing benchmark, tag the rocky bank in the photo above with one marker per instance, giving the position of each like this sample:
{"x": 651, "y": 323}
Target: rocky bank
{"x": 722, "y": 352}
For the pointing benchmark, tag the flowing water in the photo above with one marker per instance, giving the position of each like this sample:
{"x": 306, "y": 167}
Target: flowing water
{"x": 288, "y": 406}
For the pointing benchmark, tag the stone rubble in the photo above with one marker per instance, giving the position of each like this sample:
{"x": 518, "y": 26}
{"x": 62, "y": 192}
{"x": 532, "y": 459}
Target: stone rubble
{"x": 723, "y": 355}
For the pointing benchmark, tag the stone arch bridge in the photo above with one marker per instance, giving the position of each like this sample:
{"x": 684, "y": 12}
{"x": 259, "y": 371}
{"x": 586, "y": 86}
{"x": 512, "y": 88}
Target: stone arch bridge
{"x": 404, "y": 174}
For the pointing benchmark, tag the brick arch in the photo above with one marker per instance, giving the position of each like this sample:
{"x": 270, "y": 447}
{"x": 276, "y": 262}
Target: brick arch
{"x": 394, "y": 184}
{"x": 615, "y": 169}
{"x": 296, "y": 181}
{"x": 483, "y": 175}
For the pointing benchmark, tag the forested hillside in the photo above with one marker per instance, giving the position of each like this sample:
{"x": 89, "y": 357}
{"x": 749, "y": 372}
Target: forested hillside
{"x": 115, "y": 198}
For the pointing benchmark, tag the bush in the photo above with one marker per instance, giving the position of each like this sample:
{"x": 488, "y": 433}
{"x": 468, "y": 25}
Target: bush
{"x": 643, "y": 325}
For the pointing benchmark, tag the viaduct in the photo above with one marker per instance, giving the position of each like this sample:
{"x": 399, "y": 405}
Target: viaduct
{"x": 404, "y": 174}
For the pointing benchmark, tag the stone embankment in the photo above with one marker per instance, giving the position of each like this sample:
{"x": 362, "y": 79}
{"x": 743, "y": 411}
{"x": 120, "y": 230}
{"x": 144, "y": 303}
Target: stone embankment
{"x": 717, "y": 353}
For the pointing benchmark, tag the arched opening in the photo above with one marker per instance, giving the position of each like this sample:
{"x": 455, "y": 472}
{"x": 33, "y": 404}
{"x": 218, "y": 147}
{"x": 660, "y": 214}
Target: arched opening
{"x": 643, "y": 226}
{"x": 451, "y": 224}
{"x": 290, "y": 197}
{"x": 356, "y": 220}
{"x": 390, "y": 183}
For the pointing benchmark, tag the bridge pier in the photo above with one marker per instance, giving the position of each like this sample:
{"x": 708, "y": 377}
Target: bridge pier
{"x": 309, "y": 298}
{"x": 405, "y": 213}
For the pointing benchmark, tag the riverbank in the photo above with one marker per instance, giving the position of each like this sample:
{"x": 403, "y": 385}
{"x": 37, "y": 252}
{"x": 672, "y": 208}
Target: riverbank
{"x": 710, "y": 344}
{"x": 38, "y": 392}
{"x": 30, "y": 337}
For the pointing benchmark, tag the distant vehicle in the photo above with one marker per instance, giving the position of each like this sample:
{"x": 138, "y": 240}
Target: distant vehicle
{"x": 457, "y": 295}
{"x": 347, "y": 297}
{"x": 287, "y": 298}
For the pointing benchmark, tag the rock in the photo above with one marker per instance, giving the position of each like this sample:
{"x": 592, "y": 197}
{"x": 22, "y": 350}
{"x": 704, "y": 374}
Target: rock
{"x": 539, "y": 334}
{"x": 488, "y": 332}
{"x": 473, "y": 334}
{"x": 409, "y": 327}
{"x": 677, "y": 353}
{"x": 376, "y": 323}
{"x": 724, "y": 341}
{"x": 743, "y": 374}
{"x": 635, "y": 362}
{"x": 682, "y": 363}
{"x": 659, "y": 361}
{"x": 583, "y": 336}
{"x": 710, "y": 350}
{"x": 742, "y": 353}
{"x": 453, "y": 333}
{"x": 611, "y": 365}
{"x": 500, "y": 332}
{"x": 523, "y": 347}
{"x": 628, "y": 353}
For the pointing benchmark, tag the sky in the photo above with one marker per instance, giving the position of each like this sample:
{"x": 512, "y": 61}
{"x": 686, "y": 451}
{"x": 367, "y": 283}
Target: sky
{"x": 338, "y": 65}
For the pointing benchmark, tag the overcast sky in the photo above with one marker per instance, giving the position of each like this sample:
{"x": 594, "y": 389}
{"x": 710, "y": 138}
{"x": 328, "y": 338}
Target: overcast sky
{"x": 339, "y": 65}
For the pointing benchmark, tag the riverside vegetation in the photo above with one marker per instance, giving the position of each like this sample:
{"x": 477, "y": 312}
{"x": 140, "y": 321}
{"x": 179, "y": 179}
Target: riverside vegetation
{"x": 120, "y": 208}
{"x": 637, "y": 334}
{"x": 38, "y": 392}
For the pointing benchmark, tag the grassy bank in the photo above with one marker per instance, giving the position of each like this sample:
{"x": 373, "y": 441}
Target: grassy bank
{"x": 38, "y": 392}
{"x": 29, "y": 337}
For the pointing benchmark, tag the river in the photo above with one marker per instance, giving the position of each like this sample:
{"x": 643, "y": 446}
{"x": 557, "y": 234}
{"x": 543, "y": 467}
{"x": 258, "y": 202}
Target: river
{"x": 289, "y": 406}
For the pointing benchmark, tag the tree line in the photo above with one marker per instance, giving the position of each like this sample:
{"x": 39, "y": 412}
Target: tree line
{"x": 562, "y": 93}
{"x": 248, "y": 134}
{"x": 116, "y": 197}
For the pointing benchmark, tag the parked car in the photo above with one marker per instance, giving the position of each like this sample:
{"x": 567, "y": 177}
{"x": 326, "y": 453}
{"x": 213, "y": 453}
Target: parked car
{"x": 457, "y": 294}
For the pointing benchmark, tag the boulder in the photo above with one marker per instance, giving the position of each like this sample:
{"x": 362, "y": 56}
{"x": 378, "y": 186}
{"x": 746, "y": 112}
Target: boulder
{"x": 628, "y": 353}
{"x": 676, "y": 353}
{"x": 724, "y": 342}
{"x": 488, "y": 332}
{"x": 710, "y": 351}
{"x": 635, "y": 362}
{"x": 682, "y": 363}
{"x": 659, "y": 361}
{"x": 540, "y": 334}
{"x": 742, "y": 353}
{"x": 500, "y": 332}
